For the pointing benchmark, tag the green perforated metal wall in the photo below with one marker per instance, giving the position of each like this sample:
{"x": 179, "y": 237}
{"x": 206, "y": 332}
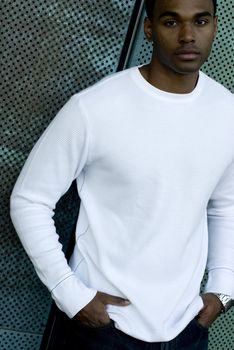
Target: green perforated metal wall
{"x": 50, "y": 50}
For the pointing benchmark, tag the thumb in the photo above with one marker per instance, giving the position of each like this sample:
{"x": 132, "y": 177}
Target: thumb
{"x": 113, "y": 300}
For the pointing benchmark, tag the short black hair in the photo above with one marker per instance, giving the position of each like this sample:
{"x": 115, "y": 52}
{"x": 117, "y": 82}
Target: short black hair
{"x": 149, "y": 7}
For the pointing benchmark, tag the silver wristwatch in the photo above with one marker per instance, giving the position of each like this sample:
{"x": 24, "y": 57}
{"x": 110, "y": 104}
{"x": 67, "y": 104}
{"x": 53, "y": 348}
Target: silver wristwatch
{"x": 226, "y": 301}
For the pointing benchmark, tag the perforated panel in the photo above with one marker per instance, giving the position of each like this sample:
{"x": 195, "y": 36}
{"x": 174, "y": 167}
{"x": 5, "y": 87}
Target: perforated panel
{"x": 50, "y": 50}
{"x": 19, "y": 341}
{"x": 220, "y": 66}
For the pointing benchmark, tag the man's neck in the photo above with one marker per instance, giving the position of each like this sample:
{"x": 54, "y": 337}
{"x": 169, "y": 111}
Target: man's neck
{"x": 169, "y": 81}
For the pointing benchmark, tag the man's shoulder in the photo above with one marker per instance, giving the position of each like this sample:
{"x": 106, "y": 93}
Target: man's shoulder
{"x": 109, "y": 86}
{"x": 217, "y": 90}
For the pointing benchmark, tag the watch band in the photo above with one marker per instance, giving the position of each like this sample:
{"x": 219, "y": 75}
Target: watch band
{"x": 226, "y": 301}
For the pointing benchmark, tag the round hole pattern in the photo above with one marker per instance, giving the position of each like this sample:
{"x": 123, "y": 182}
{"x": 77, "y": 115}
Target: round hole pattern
{"x": 50, "y": 50}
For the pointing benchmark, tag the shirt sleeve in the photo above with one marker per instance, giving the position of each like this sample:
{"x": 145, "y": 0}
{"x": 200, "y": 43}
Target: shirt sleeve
{"x": 56, "y": 160}
{"x": 220, "y": 213}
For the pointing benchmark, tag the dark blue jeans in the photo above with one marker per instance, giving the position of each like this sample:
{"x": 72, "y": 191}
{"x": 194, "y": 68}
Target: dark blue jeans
{"x": 80, "y": 337}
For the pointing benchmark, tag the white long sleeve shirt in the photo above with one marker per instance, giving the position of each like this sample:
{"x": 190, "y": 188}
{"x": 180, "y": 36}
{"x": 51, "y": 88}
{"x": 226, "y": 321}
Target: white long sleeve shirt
{"x": 155, "y": 174}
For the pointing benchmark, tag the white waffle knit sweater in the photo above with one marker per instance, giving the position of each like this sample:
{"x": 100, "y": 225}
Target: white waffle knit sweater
{"x": 155, "y": 174}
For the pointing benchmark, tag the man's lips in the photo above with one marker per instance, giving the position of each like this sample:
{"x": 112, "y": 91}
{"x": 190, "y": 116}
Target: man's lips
{"x": 187, "y": 55}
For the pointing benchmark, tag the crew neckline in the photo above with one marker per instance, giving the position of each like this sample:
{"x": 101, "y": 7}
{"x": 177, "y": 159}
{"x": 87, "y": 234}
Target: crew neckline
{"x": 157, "y": 93}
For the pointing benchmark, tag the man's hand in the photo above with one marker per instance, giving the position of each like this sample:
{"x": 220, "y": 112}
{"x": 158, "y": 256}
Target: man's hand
{"x": 211, "y": 310}
{"x": 94, "y": 313}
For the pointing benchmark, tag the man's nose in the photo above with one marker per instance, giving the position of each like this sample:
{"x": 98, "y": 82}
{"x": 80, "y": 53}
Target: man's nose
{"x": 187, "y": 33}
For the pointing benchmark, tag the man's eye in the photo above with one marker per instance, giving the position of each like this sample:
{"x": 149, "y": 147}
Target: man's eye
{"x": 170, "y": 23}
{"x": 201, "y": 22}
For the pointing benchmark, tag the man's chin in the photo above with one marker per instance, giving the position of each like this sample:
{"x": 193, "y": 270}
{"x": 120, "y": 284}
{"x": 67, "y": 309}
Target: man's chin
{"x": 187, "y": 70}
{"x": 188, "y": 67}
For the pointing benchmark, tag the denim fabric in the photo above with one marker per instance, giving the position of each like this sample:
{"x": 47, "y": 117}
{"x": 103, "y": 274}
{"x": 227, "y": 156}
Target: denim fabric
{"x": 80, "y": 337}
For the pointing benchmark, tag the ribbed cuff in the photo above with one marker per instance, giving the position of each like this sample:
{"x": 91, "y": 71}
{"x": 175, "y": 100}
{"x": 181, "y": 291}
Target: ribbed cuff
{"x": 220, "y": 281}
{"x": 71, "y": 295}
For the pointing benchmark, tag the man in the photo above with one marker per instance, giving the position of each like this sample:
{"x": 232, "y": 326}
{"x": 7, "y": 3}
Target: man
{"x": 152, "y": 150}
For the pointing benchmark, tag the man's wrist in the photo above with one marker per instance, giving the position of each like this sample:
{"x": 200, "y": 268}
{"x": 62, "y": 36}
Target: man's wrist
{"x": 226, "y": 301}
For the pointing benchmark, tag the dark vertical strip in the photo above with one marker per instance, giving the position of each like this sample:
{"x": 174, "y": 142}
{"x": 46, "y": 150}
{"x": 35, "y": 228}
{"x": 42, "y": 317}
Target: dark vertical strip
{"x": 129, "y": 40}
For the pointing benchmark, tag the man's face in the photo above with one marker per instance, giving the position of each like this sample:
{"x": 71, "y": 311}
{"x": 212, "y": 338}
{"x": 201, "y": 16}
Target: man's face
{"x": 182, "y": 32}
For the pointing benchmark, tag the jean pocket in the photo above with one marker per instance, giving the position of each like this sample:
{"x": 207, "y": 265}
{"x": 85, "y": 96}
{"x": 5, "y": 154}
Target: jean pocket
{"x": 198, "y": 325}
{"x": 89, "y": 327}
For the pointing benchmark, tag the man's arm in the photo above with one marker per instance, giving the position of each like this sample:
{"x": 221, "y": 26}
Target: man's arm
{"x": 220, "y": 264}
{"x": 55, "y": 161}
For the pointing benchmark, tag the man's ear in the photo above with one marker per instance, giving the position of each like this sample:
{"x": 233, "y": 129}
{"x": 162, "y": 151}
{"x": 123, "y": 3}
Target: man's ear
{"x": 148, "y": 29}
